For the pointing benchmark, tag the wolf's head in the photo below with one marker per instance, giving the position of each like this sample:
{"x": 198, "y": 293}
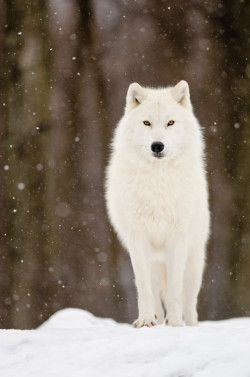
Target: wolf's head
{"x": 159, "y": 124}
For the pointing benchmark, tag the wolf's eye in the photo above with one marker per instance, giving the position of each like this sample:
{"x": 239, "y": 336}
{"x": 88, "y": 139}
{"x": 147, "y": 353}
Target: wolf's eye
{"x": 147, "y": 123}
{"x": 171, "y": 122}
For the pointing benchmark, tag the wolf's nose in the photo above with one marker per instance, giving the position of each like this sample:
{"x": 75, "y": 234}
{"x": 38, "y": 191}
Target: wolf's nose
{"x": 157, "y": 147}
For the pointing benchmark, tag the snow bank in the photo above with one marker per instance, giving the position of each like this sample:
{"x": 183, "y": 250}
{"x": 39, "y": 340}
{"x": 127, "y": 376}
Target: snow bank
{"x": 74, "y": 343}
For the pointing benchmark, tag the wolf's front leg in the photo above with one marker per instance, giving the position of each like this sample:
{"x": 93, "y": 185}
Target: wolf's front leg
{"x": 175, "y": 263}
{"x": 140, "y": 257}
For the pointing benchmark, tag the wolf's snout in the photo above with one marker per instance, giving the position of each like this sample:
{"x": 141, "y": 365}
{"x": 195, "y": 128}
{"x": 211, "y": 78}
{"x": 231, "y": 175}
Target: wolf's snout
{"x": 157, "y": 147}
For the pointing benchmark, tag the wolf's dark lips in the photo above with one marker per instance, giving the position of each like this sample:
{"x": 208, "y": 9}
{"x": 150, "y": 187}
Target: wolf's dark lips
{"x": 158, "y": 155}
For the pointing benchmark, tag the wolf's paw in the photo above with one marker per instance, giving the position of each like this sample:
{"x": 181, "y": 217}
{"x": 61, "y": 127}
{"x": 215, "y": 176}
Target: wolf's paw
{"x": 149, "y": 322}
{"x": 174, "y": 322}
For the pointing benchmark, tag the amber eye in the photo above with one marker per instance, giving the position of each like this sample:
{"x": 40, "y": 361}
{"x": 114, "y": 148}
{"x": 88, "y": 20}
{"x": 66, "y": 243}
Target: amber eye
{"x": 147, "y": 123}
{"x": 171, "y": 122}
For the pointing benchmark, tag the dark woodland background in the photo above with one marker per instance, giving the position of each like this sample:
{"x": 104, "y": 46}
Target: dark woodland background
{"x": 65, "y": 66}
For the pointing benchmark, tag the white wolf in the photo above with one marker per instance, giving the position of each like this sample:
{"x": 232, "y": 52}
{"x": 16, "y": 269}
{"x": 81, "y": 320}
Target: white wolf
{"x": 157, "y": 201}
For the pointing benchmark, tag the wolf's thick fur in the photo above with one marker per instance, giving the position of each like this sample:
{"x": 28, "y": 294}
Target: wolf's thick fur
{"x": 157, "y": 201}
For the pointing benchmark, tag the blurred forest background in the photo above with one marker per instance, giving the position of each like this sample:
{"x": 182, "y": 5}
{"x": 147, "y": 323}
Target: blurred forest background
{"x": 65, "y": 66}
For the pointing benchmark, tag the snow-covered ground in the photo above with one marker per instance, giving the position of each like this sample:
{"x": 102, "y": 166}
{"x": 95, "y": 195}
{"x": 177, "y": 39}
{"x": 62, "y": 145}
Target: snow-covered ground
{"x": 74, "y": 343}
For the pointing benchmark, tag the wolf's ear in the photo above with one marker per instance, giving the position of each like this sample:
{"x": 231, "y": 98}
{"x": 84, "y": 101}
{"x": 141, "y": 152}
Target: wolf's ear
{"x": 181, "y": 94}
{"x": 135, "y": 95}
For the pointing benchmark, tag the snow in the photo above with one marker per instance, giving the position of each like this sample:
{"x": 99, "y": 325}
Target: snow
{"x": 75, "y": 343}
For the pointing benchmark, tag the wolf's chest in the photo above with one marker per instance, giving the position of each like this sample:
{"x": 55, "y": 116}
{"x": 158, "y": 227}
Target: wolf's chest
{"x": 152, "y": 200}
{"x": 155, "y": 211}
